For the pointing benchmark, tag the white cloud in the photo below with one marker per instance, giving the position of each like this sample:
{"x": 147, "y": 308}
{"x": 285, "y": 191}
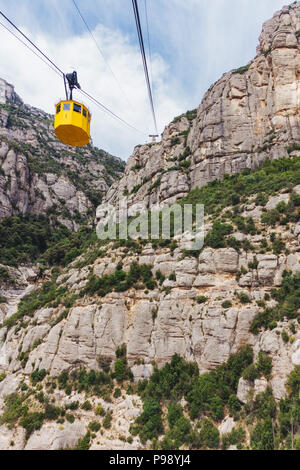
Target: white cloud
{"x": 202, "y": 39}
{"x": 41, "y": 87}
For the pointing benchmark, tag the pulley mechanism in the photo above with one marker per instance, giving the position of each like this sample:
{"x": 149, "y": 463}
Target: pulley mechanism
{"x": 72, "y": 118}
{"x": 72, "y": 81}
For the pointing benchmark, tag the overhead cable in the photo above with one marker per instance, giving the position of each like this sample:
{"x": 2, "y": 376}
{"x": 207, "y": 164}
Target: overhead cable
{"x": 56, "y": 69}
{"x": 142, "y": 48}
{"x": 99, "y": 50}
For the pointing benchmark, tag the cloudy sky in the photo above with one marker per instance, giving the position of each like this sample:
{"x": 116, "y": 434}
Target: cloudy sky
{"x": 193, "y": 42}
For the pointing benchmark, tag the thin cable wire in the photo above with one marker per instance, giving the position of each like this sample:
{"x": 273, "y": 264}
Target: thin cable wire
{"x": 149, "y": 44}
{"x": 57, "y": 70}
{"x": 29, "y": 48}
{"x": 111, "y": 113}
{"x": 141, "y": 41}
{"x": 27, "y": 38}
{"x": 100, "y": 52}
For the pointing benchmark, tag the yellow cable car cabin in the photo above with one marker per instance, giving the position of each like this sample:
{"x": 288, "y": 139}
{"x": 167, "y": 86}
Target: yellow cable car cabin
{"x": 72, "y": 123}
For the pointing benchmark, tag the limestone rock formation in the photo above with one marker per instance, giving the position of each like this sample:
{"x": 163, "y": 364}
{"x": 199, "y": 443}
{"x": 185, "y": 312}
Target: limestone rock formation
{"x": 247, "y": 116}
{"x": 38, "y": 173}
{"x": 206, "y": 333}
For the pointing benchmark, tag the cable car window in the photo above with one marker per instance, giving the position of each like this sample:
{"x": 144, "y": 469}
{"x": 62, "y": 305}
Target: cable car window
{"x": 58, "y": 109}
{"x": 67, "y": 107}
{"x": 84, "y": 112}
{"x": 77, "y": 108}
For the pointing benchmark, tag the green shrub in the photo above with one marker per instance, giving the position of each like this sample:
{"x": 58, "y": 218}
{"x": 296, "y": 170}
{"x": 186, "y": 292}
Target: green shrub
{"x": 234, "y": 404}
{"x": 150, "y": 284}
{"x": 191, "y": 114}
{"x": 186, "y": 153}
{"x": 38, "y": 375}
{"x": 261, "y": 200}
{"x": 288, "y": 297}
{"x": 154, "y": 314}
{"x": 209, "y": 435}
{"x": 293, "y": 381}
{"x": 120, "y": 370}
{"x": 174, "y": 413}
{"x": 262, "y": 435}
{"x": 216, "y": 236}
{"x": 99, "y": 411}
{"x": 185, "y": 164}
{"x": 236, "y": 437}
{"x": 269, "y": 179}
{"x": 294, "y": 146}
{"x": 94, "y": 426}
{"x": 244, "y": 298}
{"x": 136, "y": 188}
{"x": 297, "y": 443}
{"x": 40, "y": 298}
{"x": 264, "y": 364}
{"x": 278, "y": 246}
{"x": 232, "y": 242}
{"x": 5, "y": 277}
{"x": 264, "y": 405}
{"x": 13, "y": 409}
{"x": 63, "y": 379}
{"x": 84, "y": 442}
{"x": 206, "y": 394}
{"x": 251, "y": 373}
{"x": 94, "y": 383}
{"x": 285, "y": 336}
{"x": 159, "y": 276}
{"x": 86, "y": 406}
{"x": 150, "y": 421}
{"x": 117, "y": 393}
{"x": 121, "y": 351}
{"x": 175, "y": 141}
{"x": 243, "y": 270}
{"x": 241, "y": 70}
{"x": 107, "y": 420}
{"x": 70, "y": 418}
{"x": 178, "y": 435}
{"x": 226, "y": 304}
{"x": 155, "y": 184}
{"x": 271, "y": 217}
{"x": 170, "y": 382}
{"x": 31, "y": 422}
{"x": 52, "y": 412}
{"x": 27, "y": 238}
{"x": 281, "y": 207}
{"x": 120, "y": 281}
{"x": 253, "y": 264}
{"x": 216, "y": 407}
{"x": 217, "y": 386}
{"x": 245, "y": 225}
{"x": 104, "y": 363}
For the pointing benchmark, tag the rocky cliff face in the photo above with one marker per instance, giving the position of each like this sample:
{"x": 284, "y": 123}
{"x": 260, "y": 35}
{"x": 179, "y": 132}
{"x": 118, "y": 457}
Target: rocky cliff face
{"x": 39, "y": 174}
{"x": 247, "y": 116}
{"x": 201, "y": 308}
{"x": 62, "y": 326}
{"x": 168, "y": 319}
